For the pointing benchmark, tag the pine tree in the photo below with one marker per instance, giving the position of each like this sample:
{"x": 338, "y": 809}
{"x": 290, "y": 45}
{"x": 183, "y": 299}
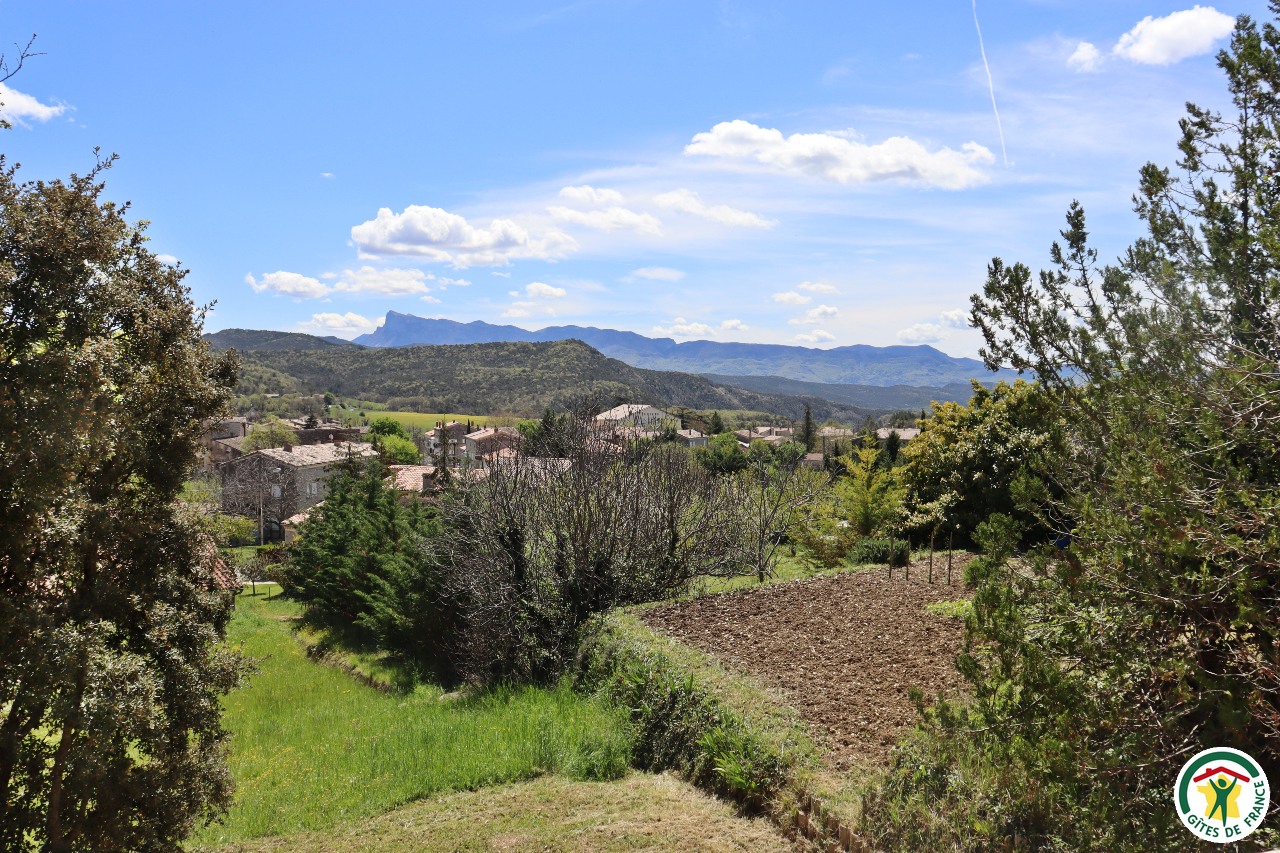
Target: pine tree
{"x": 1099, "y": 668}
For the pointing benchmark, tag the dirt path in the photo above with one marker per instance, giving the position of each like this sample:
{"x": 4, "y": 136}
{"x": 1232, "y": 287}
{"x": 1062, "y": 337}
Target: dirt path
{"x": 843, "y": 649}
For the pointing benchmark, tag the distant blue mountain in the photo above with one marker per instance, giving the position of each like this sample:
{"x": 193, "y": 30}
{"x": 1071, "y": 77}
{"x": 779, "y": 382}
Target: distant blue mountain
{"x": 855, "y": 364}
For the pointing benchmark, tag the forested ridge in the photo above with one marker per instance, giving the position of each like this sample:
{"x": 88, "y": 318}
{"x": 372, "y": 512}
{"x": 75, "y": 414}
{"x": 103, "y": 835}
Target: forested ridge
{"x": 515, "y": 377}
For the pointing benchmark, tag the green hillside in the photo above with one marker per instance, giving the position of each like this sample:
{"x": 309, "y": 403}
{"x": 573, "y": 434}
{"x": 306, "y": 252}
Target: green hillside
{"x": 510, "y": 377}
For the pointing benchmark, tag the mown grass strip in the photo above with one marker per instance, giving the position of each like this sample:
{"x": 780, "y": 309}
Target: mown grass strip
{"x": 313, "y": 748}
{"x": 641, "y": 812}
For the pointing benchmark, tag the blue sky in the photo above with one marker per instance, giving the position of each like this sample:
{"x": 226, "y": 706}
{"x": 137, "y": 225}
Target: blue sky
{"x": 821, "y": 173}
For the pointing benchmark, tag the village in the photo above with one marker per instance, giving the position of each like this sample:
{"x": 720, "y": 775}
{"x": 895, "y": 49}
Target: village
{"x": 277, "y": 486}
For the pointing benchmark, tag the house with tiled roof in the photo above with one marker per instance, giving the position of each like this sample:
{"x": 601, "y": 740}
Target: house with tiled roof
{"x": 273, "y": 484}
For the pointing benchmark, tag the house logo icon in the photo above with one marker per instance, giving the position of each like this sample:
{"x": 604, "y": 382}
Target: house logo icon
{"x": 1221, "y": 795}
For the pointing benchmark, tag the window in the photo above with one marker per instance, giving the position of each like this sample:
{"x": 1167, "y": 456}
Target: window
{"x": 275, "y": 491}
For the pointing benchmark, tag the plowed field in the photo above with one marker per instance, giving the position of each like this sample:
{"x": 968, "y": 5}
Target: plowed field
{"x": 842, "y": 649}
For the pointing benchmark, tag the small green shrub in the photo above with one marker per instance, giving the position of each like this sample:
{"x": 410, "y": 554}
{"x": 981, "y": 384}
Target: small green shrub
{"x": 877, "y": 551}
{"x": 958, "y": 609}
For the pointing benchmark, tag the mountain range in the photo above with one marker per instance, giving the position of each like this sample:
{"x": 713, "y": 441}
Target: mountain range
{"x": 518, "y": 377}
{"x": 857, "y": 364}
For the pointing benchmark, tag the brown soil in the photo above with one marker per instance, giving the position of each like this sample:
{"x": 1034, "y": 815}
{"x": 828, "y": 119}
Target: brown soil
{"x": 842, "y": 649}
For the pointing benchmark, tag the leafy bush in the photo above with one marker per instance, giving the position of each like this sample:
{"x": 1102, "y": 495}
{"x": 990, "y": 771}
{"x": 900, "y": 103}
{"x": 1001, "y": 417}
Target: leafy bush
{"x": 877, "y": 551}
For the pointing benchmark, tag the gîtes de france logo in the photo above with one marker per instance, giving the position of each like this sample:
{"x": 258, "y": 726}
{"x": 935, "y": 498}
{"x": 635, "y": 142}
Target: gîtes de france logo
{"x": 1221, "y": 795}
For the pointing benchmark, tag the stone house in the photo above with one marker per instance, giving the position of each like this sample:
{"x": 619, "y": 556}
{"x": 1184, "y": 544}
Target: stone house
{"x": 273, "y": 484}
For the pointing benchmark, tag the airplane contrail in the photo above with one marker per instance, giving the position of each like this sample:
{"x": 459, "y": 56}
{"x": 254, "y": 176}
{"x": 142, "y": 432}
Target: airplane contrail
{"x": 990, "y": 85}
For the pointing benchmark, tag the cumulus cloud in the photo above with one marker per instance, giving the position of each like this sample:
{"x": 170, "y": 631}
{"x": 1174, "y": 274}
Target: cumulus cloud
{"x": 520, "y": 309}
{"x": 687, "y": 201}
{"x": 289, "y": 284}
{"x": 1175, "y": 37}
{"x": 170, "y": 260}
{"x": 591, "y": 196}
{"x": 817, "y": 336}
{"x": 1086, "y": 57}
{"x": 682, "y": 328}
{"x": 443, "y": 236}
{"x": 430, "y": 299}
{"x": 609, "y": 219}
{"x": 445, "y": 281}
{"x": 384, "y": 282}
{"x": 931, "y": 333}
{"x": 342, "y": 325}
{"x": 922, "y": 333}
{"x": 20, "y": 108}
{"x": 842, "y": 159}
{"x": 657, "y": 274}
{"x": 539, "y": 290}
{"x": 814, "y": 316}
{"x": 790, "y": 297}
{"x": 733, "y": 326}
{"x": 817, "y": 287}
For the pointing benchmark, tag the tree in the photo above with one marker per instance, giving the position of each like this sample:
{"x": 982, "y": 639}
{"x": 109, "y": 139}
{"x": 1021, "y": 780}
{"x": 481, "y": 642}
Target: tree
{"x": 869, "y": 493}
{"x": 965, "y": 464}
{"x": 268, "y": 432}
{"x": 772, "y": 492}
{"x": 809, "y": 432}
{"x": 715, "y": 426}
{"x": 1098, "y": 668}
{"x": 111, "y": 666}
{"x": 396, "y": 449}
{"x": 722, "y": 455}
{"x": 390, "y": 426}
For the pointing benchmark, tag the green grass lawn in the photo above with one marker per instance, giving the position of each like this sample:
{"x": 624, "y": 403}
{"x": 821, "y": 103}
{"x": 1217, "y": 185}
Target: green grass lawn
{"x": 313, "y": 748}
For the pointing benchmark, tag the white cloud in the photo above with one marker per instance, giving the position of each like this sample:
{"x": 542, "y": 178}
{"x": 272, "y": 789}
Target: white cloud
{"x": 326, "y": 174}
{"x": 445, "y": 281}
{"x": 817, "y": 336}
{"x": 431, "y": 299}
{"x": 343, "y": 325}
{"x": 682, "y": 328}
{"x": 922, "y": 333}
{"x": 539, "y": 290}
{"x": 842, "y": 159}
{"x": 501, "y": 274}
{"x": 814, "y": 316}
{"x": 817, "y": 287}
{"x": 734, "y": 326}
{"x": 687, "y": 201}
{"x": 1085, "y": 58}
{"x": 609, "y": 219}
{"x": 18, "y": 107}
{"x": 443, "y": 236}
{"x": 1173, "y": 38}
{"x": 520, "y": 309}
{"x": 385, "y": 282}
{"x": 170, "y": 260}
{"x": 658, "y": 274}
{"x": 932, "y": 333}
{"x": 289, "y": 284}
{"x": 790, "y": 297}
{"x": 591, "y": 196}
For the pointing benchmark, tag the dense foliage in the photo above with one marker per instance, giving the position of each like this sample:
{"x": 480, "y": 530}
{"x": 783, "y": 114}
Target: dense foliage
{"x": 110, "y": 665}
{"x": 968, "y": 461}
{"x": 1098, "y": 669}
{"x": 364, "y": 564}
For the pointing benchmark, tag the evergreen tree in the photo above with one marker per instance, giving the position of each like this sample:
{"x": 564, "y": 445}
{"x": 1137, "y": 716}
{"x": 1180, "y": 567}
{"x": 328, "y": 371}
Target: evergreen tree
{"x": 1099, "y": 668}
{"x": 111, "y": 664}
{"x": 716, "y": 425}
{"x": 809, "y": 432}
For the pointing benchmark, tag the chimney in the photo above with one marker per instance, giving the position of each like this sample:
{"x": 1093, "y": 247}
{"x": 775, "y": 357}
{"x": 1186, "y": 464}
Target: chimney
{"x": 288, "y": 448}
